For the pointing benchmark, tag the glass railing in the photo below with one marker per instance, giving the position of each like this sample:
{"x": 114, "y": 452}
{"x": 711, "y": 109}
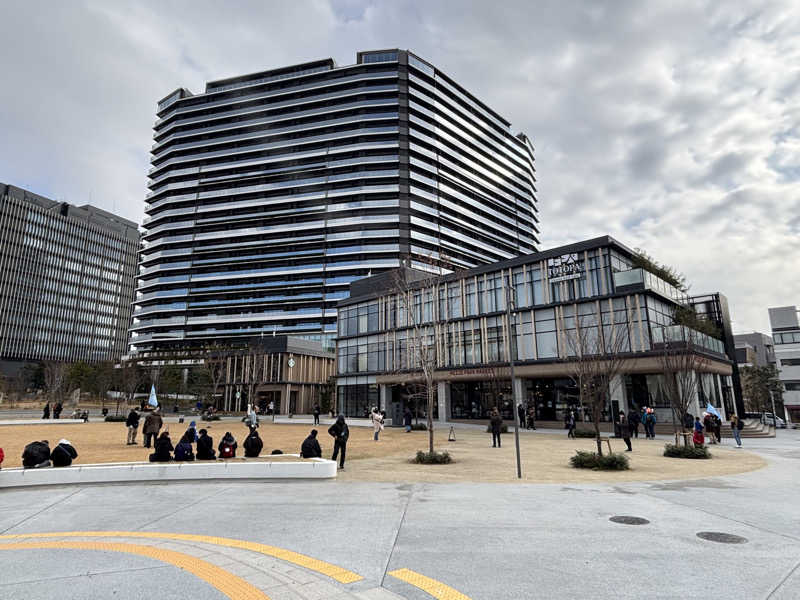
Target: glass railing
{"x": 648, "y": 281}
{"x": 685, "y": 335}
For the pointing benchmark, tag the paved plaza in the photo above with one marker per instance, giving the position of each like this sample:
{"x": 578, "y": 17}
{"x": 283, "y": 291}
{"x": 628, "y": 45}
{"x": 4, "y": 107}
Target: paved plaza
{"x": 375, "y": 541}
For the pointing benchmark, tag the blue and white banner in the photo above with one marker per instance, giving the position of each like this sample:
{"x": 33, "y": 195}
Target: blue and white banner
{"x": 152, "y": 400}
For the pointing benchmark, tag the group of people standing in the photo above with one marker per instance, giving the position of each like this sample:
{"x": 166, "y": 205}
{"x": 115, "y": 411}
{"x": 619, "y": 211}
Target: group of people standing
{"x": 57, "y": 409}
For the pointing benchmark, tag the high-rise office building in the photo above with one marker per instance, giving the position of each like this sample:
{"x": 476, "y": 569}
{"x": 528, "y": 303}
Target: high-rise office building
{"x": 67, "y": 277}
{"x": 271, "y": 192}
{"x": 785, "y": 324}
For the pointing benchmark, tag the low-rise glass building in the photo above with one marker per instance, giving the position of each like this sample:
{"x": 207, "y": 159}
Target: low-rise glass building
{"x": 598, "y": 284}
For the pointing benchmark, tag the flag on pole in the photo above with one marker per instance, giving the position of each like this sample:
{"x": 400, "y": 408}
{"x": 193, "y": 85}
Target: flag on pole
{"x": 152, "y": 400}
{"x": 712, "y": 410}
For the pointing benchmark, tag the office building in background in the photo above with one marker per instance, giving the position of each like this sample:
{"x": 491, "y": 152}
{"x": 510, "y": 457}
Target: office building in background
{"x": 271, "y": 192}
{"x": 786, "y": 333}
{"x": 67, "y": 277}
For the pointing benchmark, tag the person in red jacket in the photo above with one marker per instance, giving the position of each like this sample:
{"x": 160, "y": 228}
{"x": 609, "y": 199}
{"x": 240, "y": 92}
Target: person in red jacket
{"x": 2, "y": 456}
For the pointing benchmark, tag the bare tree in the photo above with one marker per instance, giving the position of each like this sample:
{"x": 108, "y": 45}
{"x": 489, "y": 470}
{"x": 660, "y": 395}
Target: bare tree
{"x": 131, "y": 376}
{"x": 597, "y": 358}
{"x": 417, "y": 315}
{"x": 253, "y": 370}
{"x": 214, "y": 364}
{"x": 55, "y": 374}
{"x": 679, "y": 364}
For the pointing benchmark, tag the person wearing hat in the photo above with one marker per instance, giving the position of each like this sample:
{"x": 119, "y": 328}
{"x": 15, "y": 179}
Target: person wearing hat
{"x": 63, "y": 454}
{"x": 152, "y": 425}
{"x": 310, "y": 447}
{"x": 205, "y": 446}
{"x": 192, "y": 431}
{"x": 132, "y": 423}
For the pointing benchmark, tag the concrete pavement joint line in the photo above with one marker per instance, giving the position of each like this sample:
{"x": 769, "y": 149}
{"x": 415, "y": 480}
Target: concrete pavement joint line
{"x": 29, "y": 517}
{"x": 182, "y": 508}
{"x": 96, "y": 574}
{"x": 435, "y": 588}
{"x": 784, "y": 580}
{"x": 229, "y": 584}
{"x": 397, "y": 534}
{"x": 337, "y": 573}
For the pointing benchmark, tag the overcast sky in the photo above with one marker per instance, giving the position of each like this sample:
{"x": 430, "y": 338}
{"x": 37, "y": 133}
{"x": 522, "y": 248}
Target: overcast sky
{"x": 671, "y": 126}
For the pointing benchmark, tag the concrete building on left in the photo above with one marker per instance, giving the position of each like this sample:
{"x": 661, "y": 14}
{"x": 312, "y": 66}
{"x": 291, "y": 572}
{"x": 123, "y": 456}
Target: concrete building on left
{"x": 67, "y": 276}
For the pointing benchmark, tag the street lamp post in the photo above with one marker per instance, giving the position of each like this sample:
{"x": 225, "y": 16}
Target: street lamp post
{"x": 509, "y": 316}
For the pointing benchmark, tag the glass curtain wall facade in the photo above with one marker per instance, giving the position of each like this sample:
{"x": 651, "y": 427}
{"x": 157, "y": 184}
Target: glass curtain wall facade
{"x": 67, "y": 277}
{"x": 272, "y": 192}
{"x": 592, "y": 284}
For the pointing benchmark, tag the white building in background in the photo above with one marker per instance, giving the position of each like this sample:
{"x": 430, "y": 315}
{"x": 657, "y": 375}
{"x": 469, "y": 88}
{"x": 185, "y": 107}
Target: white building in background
{"x": 786, "y": 334}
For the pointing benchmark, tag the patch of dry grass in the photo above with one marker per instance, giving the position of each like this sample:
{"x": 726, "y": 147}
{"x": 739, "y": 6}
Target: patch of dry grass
{"x": 545, "y": 457}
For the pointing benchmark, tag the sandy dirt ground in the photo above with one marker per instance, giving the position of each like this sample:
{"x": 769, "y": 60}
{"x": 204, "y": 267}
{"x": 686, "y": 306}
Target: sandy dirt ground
{"x": 545, "y": 457}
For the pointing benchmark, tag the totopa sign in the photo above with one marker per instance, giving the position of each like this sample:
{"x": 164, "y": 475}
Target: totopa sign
{"x": 563, "y": 268}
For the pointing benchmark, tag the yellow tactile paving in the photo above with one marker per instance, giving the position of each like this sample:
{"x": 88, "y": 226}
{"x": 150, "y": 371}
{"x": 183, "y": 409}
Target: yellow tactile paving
{"x": 435, "y": 588}
{"x": 229, "y": 584}
{"x": 334, "y": 572}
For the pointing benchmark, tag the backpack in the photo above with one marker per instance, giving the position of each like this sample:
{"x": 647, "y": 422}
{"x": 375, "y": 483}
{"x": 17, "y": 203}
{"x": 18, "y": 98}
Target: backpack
{"x": 227, "y": 451}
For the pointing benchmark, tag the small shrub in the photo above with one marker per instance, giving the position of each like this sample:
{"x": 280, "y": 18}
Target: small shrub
{"x": 432, "y": 458}
{"x": 419, "y": 427}
{"x": 210, "y": 418}
{"x": 607, "y": 462}
{"x": 503, "y": 428}
{"x": 675, "y": 451}
{"x": 585, "y": 433}
{"x": 115, "y": 418}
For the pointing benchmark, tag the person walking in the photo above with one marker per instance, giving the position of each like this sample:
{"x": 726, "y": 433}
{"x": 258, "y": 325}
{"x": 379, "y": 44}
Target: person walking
{"x": 407, "y": 419}
{"x": 152, "y": 425}
{"x": 708, "y": 427}
{"x": 227, "y": 446}
{"x": 162, "y": 448}
{"x": 717, "y": 428}
{"x": 521, "y": 414}
{"x": 625, "y": 430}
{"x": 310, "y": 447}
{"x": 495, "y": 423}
{"x": 205, "y": 446}
{"x": 253, "y": 445}
{"x": 340, "y": 433}
{"x": 633, "y": 422}
{"x": 736, "y": 428}
{"x": 132, "y": 423}
{"x": 271, "y": 407}
{"x": 531, "y": 418}
{"x": 570, "y": 424}
{"x": 377, "y": 423}
{"x": 650, "y": 424}
{"x": 315, "y": 411}
{"x": 46, "y": 411}
{"x": 57, "y": 408}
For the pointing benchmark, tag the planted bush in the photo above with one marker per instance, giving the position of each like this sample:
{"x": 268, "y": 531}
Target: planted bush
{"x": 592, "y": 460}
{"x": 675, "y": 451}
{"x": 585, "y": 433}
{"x": 432, "y": 458}
{"x": 115, "y": 418}
{"x": 210, "y": 418}
{"x": 419, "y": 427}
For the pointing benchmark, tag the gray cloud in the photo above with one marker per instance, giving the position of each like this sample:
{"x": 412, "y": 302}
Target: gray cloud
{"x": 672, "y": 126}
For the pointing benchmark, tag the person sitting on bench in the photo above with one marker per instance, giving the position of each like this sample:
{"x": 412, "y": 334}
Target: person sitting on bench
{"x": 183, "y": 451}
{"x": 227, "y": 447}
{"x": 63, "y": 454}
{"x": 36, "y": 455}
{"x": 310, "y": 447}
{"x": 253, "y": 444}
{"x": 163, "y": 448}
{"x": 205, "y": 446}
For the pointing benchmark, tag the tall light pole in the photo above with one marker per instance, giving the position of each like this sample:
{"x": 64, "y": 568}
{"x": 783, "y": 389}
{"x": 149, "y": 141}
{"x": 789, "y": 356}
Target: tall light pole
{"x": 511, "y": 341}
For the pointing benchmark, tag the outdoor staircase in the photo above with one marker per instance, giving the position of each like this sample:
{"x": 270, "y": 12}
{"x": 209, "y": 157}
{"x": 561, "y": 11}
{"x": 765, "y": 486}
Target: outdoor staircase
{"x": 753, "y": 428}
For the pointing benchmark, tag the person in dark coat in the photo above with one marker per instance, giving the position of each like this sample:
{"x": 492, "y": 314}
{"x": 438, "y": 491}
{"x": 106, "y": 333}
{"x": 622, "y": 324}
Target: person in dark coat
{"x": 132, "y": 423}
{"x": 340, "y": 434}
{"x": 717, "y": 428}
{"x": 253, "y": 445}
{"x": 63, "y": 454}
{"x": 152, "y": 425}
{"x": 315, "y": 411}
{"x": 407, "y": 419}
{"x": 633, "y": 422}
{"x": 569, "y": 423}
{"x": 163, "y": 448}
{"x": 46, "y": 411}
{"x": 227, "y": 447}
{"x": 36, "y": 454}
{"x": 205, "y": 446}
{"x": 531, "y": 418}
{"x": 310, "y": 447}
{"x": 191, "y": 431}
{"x": 57, "y": 408}
{"x": 183, "y": 451}
{"x": 521, "y": 415}
{"x": 625, "y": 430}
{"x": 495, "y": 423}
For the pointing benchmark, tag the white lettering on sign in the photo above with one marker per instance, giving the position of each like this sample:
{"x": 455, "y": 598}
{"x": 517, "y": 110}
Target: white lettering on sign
{"x": 563, "y": 268}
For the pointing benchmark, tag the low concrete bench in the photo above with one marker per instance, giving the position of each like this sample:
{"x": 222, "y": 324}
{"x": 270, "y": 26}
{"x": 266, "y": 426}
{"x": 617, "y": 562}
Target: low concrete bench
{"x": 284, "y": 466}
